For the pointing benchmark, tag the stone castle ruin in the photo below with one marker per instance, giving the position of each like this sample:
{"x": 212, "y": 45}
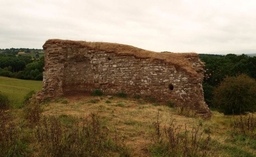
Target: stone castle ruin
{"x": 82, "y": 67}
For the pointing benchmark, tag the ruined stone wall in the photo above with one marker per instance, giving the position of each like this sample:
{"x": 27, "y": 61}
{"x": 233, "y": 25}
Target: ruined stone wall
{"x": 76, "y": 67}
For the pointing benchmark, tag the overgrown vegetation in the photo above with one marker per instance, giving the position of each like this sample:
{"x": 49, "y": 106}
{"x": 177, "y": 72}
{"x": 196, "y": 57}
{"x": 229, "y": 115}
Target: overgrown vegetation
{"x": 185, "y": 111}
{"x": 179, "y": 140}
{"x": 119, "y": 128}
{"x": 80, "y": 138}
{"x": 245, "y": 125}
{"x": 32, "y": 113}
{"x": 53, "y": 137}
{"x": 122, "y": 94}
{"x": 218, "y": 67}
{"x": 235, "y": 95}
{"x": 4, "y": 102}
{"x": 11, "y": 141}
{"x": 242, "y": 133}
{"x": 97, "y": 92}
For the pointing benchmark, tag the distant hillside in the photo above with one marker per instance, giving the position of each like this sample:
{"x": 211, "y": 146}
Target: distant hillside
{"x": 251, "y": 54}
{"x": 15, "y": 51}
{"x": 237, "y": 52}
{"x": 222, "y": 55}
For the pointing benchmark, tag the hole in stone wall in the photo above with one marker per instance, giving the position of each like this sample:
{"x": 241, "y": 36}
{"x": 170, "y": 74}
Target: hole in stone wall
{"x": 109, "y": 58}
{"x": 171, "y": 86}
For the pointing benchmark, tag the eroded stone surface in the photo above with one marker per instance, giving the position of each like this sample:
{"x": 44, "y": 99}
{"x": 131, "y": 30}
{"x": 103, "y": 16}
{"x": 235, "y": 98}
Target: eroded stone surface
{"x": 77, "y": 66}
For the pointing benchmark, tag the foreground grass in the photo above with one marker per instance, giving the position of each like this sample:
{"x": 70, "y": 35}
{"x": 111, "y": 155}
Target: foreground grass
{"x": 16, "y": 89}
{"x": 119, "y": 126}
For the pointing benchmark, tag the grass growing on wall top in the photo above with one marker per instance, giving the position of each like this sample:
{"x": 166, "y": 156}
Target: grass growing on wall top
{"x": 16, "y": 89}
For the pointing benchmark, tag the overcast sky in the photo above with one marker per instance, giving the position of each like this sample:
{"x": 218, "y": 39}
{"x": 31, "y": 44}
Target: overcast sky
{"x": 202, "y": 26}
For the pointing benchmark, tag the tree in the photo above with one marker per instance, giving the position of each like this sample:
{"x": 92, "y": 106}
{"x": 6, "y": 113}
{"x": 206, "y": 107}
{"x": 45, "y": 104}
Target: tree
{"x": 219, "y": 66}
{"x": 235, "y": 95}
{"x": 33, "y": 70}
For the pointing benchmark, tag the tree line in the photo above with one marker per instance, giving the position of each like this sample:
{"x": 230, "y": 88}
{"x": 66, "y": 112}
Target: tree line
{"x": 28, "y": 65}
{"x": 229, "y": 82}
{"x": 15, "y": 51}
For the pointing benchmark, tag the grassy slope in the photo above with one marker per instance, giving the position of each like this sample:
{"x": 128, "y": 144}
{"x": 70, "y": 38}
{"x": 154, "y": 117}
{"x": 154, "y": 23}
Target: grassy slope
{"x": 16, "y": 89}
{"x": 132, "y": 120}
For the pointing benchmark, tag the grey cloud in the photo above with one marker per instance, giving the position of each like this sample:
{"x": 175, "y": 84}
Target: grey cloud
{"x": 175, "y": 25}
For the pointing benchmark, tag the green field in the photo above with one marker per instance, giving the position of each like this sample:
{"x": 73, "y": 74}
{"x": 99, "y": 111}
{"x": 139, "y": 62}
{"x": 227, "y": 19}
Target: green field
{"x": 16, "y": 89}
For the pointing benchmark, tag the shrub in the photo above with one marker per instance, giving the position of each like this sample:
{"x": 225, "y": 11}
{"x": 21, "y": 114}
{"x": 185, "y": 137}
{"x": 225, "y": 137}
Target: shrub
{"x": 97, "y": 92}
{"x": 170, "y": 104}
{"x": 6, "y": 73}
{"x": 4, "y": 102}
{"x": 235, "y": 95}
{"x": 122, "y": 95}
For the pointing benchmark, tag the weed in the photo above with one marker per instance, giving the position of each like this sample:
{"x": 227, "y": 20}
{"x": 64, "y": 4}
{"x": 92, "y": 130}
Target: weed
{"x": 160, "y": 109}
{"x": 88, "y": 138}
{"x": 137, "y": 97}
{"x": 185, "y": 111}
{"x": 244, "y": 124}
{"x": 101, "y": 108}
{"x": 142, "y": 107}
{"x": 150, "y": 99}
{"x": 131, "y": 122}
{"x": 107, "y": 101}
{"x": 10, "y": 140}
{"x": 64, "y": 102}
{"x": 120, "y": 105}
{"x": 172, "y": 140}
{"x": 4, "y": 102}
{"x": 94, "y": 101}
{"x": 170, "y": 104}
{"x": 122, "y": 95}
{"x": 243, "y": 130}
{"x": 67, "y": 120}
{"x": 32, "y": 113}
{"x": 155, "y": 104}
{"x": 46, "y": 101}
{"x": 207, "y": 130}
{"x": 97, "y": 92}
{"x": 231, "y": 150}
